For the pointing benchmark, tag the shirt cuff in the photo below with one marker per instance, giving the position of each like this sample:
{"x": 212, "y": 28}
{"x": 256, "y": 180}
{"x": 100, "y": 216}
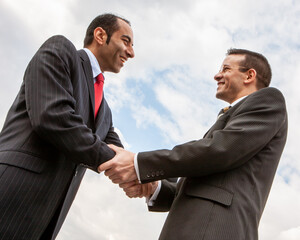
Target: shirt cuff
{"x": 150, "y": 201}
{"x": 136, "y": 166}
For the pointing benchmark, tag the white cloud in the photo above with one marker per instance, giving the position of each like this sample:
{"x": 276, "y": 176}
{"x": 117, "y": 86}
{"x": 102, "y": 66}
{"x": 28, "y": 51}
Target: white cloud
{"x": 291, "y": 234}
{"x": 102, "y": 211}
{"x": 279, "y": 217}
{"x": 42, "y": 17}
{"x": 123, "y": 140}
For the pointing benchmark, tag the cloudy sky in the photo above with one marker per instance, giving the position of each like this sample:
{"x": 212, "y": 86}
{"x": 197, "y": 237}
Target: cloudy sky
{"x": 166, "y": 94}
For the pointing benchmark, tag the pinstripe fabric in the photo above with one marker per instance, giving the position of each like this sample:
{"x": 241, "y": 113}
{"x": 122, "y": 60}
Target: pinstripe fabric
{"x": 227, "y": 175}
{"x": 49, "y": 138}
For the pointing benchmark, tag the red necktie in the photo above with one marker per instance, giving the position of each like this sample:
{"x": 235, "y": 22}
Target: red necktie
{"x": 98, "y": 87}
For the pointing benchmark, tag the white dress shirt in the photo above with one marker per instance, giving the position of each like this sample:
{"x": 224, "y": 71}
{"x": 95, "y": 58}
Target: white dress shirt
{"x": 94, "y": 63}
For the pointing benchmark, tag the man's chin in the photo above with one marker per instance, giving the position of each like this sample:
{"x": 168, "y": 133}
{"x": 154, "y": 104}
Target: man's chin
{"x": 117, "y": 70}
{"x": 220, "y": 95}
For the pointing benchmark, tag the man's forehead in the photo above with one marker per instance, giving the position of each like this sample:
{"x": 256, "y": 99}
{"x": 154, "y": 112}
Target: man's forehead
{"x": 125, "y": 30}
{"x": 124, "y": 26}
{"x": 233, "y": 59}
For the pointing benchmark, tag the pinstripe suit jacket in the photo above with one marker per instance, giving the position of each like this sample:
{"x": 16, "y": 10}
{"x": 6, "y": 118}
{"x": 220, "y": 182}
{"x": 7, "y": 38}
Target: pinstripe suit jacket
{"x": 49, "y": 138}
{"x": 227, "y": 175}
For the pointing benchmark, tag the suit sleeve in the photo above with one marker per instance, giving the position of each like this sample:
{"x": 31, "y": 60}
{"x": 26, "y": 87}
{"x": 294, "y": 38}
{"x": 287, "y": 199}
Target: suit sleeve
{"x": 113, "y": 138}
{"x": 252, "y": 125}
{"x": 51, "y": 106}
{"x": 165, "y": 197}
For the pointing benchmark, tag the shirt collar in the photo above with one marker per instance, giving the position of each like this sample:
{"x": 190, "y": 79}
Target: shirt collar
{"x": 94, "y": 63}
{"x": 238, "y": 100}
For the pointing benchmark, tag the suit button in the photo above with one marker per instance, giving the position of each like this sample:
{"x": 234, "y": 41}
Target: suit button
{"x": 157, "y": 173}
{"x": 153, "y": 174}
{"x": 162, "y": 173}
{"x": 148, "y": 176}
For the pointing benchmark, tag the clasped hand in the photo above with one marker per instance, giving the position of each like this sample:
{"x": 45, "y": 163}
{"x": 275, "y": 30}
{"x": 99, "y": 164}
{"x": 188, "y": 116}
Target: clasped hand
{"x": 120, "y": 170}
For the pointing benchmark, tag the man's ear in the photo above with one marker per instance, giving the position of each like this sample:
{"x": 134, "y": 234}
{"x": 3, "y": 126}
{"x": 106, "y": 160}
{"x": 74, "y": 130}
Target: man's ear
{"x": 100, "y": 35}
{"x": 251, "y": 76}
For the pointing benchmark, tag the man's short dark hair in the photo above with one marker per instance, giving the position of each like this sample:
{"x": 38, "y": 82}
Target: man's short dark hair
{"x": 108, "y": 21}
{"x": 256, "y": 61}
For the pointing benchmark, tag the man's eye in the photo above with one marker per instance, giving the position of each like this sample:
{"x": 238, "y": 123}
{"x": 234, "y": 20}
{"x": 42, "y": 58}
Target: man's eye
{"x": 225, "y": 69}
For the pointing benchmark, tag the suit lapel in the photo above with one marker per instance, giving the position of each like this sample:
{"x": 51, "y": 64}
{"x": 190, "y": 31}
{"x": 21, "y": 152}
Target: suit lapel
{"x": 86, "y": 64}
{"x": 101, "y": 112}
{"x": 223, "y": 119}
{"x": 219, "y": 124}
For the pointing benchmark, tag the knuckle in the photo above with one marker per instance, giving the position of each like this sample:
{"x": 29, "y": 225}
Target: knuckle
{"x": 114, "y": 180}
{"x": 123, "y": 178}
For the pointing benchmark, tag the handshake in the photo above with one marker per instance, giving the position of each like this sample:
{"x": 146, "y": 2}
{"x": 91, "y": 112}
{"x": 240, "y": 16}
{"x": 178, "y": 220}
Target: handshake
{"x": 121, "y": 170}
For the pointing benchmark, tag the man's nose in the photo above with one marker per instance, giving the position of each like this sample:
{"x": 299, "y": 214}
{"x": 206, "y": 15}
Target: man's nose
{"x": 130, "y": 52}
{"x": 218, "y": 76}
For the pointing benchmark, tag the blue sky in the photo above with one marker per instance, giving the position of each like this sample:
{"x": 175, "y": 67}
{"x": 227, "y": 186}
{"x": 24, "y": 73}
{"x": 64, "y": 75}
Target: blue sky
{"x": 166, "y": 94}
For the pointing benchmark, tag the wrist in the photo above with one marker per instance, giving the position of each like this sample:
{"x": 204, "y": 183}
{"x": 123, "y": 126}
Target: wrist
{"x": 154, "y": 186}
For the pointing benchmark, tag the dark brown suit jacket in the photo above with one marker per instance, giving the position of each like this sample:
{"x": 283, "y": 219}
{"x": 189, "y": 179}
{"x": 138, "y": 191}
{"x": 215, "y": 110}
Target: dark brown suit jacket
{"x": 49, "y": 138}
{"x": 226, "y": 176}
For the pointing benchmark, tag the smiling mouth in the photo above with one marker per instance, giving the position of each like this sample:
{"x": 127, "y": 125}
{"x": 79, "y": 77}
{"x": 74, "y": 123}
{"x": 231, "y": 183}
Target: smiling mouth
{"x": 123, "y": 59}
{"x": 220, "y": 84}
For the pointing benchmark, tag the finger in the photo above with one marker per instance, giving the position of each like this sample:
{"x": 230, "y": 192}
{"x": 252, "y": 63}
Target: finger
{"x": 110, "y": 172}
{"x": 117, "y": 177}
{"x": 128, "y": 195}
{"x": 121, "y": 178}
{"x": 127, "y": 185}
{"x": 114, "y": 148}
{"x": 138, "y": 191}
{"x": 131, "y": 195}
{"x": 106, "y": 165}
{"x": 131, "y": 190}
{"x": 134, "y": 191}
{"x": 117, "y": 181}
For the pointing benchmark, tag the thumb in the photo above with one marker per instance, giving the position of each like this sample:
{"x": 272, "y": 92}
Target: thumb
{"x": 105, "y": 166}
{"x": 114, "y": 148}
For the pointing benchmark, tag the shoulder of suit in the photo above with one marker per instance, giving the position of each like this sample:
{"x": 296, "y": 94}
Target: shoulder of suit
{"x": 261, "y": 98}
{"x": 62, "y": 48}
{"x": 84, "y": 56}
{"x": 268, "y": 90}
{"x": 59, "y": 38}
{"x": 267, "y": 93}
{"x": 268, "y": 97}
{"x": 60, "y": 42}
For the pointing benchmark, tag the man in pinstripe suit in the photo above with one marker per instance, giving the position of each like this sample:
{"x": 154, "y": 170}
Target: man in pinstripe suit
{"x": 226, "y": 176}
{"x": 51, "y": 134}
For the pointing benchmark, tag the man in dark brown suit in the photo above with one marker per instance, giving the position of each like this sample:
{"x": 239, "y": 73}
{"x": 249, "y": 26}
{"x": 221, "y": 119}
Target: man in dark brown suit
{"x": 226, "y": 176}
{"x": 54, "y": 131}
